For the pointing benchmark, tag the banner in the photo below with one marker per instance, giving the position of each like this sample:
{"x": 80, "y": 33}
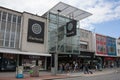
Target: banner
{"x": 111, "y": 46}
{"x": 71, "y": 28}
{"x": 101, "y": 45}
{"x": 35, "y": 31}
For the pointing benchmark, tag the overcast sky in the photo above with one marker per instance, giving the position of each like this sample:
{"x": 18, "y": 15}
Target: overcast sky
{"x": 104, "y": 11}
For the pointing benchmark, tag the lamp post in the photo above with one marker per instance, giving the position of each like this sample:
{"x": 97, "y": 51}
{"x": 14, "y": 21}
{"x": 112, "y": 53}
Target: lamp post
{"x": 54, "y": 60}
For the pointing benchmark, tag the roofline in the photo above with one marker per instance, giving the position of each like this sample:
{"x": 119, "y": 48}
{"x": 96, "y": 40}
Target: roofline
{"x": 49, "y": 11}
{"x": 20, "y": 12}
{"x": 85, "y": 30}
{"x": 10, "y": 9}
{"x": 105, "y": 35}
{"x": 33, "y": 14}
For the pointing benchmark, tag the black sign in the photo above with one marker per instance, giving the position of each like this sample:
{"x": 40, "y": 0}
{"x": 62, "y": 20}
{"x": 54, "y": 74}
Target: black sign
{"x": 71, "y": 28}
{"x": 35, "y": 31}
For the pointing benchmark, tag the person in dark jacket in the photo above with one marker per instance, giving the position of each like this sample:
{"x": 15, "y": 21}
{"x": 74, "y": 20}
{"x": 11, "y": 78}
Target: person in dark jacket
{"x": 86, "y": 69}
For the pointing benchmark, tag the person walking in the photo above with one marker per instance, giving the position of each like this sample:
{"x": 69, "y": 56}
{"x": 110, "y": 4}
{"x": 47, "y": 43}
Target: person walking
{"x": 86, "y": 69}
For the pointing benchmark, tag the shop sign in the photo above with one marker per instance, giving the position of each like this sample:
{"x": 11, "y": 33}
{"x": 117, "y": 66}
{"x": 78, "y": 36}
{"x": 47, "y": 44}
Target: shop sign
{"x": 71, "y": 28}
{"x": 35, "y": 31}
{"x": 101, "y": 44}
{"x": 111, "y": 46}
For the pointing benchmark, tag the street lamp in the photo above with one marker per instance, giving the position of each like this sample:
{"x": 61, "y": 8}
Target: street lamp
{"x": 55, "y": 55}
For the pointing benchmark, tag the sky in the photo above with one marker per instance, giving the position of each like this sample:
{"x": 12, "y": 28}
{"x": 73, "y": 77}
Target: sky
{"x": 105, "y": 17}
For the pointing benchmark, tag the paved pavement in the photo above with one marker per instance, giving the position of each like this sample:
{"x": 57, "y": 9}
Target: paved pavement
{"x": 48, "y": 76}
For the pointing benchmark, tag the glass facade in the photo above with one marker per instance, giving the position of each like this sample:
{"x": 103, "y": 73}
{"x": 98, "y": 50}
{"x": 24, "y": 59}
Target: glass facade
{"x": 57, "y": 40}
{"x": 10, "y": 25}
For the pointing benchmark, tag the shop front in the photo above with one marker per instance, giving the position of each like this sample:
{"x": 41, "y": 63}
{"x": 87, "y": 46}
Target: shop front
{"x": 109, "y": 62}
{"x": 7, "y": 62}
{"x": 10, "y": 59}
{"x": 86, "y": 56}
{"x": 29, "y": 62}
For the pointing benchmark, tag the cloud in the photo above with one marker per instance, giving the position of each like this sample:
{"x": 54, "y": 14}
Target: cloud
{"x": 102, "y": 10}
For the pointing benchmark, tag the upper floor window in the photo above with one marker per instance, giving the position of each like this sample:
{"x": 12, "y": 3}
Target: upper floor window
{"x": 83, "y": 46}
{"x": 14, "y": 18}
{"x": 119, "y": 51}
{"x": 9, "y": 17}
{"x": 4, "y": 16}
{"x": 86, "y": 35}
{"x": 118, "y": 43}
{"x": 19, "y": 19}
{"x": 0, "y": 15}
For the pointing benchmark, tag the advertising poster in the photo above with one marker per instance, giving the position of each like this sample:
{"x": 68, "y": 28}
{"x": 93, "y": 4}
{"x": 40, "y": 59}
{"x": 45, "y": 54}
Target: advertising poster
{"x": 111, "y": 46}
{"x": 101, "y": 45}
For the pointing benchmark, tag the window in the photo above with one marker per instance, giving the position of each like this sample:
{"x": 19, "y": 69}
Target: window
{"x": 3, "y": 26}
{"x": 12, "y": 36}
{"x": 0, "y": 15}
{"x": 9, "y": 17}
{"x": 97, "y": 38}
{"x": 118, "y": 43}
{"x": 8, "y": 27}
{"x": 10, "y": 22}
{"x": 82, "y": 34}
{"x": 1, "y": 35}
{"x": 12, "y": 44}
{"x": 1, "y": 42}
{"x": 14, "y": 18}
{"x": 86, "y": 35}
{"x": 4, "y": 16}
{"x": 13, "y": 27}
{"x": 19, "y": 19}
{"x": 118, "y": 51}
{"x": 83, "y": 46}
{"x": 6, "y": 43}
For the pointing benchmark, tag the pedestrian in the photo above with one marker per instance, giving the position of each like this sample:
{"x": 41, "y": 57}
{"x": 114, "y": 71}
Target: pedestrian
{"x": 61, "y": 67}
{"x": 86, "y": 69}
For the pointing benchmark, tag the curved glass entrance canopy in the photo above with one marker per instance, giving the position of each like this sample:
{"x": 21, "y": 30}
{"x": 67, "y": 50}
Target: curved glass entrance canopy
{"x": 69, "y": 11}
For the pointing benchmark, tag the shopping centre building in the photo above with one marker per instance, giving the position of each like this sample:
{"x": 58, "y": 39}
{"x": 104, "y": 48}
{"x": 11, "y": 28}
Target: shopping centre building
{"x": 27, "y": 38}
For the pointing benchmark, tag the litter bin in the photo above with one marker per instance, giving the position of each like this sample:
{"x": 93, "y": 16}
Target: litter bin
{"x": 19, "y": 72}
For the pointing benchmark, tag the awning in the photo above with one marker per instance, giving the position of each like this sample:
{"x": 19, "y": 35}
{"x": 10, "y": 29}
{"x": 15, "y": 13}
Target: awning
{"x": 85, "y": 43}
{"x": 14, "y": 51}
{"x": 69, "y": 11}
